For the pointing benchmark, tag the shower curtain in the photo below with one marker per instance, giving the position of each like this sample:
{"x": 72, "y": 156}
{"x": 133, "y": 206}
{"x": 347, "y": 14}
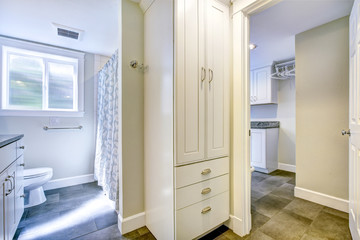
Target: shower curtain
{"x": 107, "y": 141}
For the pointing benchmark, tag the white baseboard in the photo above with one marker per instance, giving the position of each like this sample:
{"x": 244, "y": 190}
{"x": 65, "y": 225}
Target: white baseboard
{"x": 323, "y": 199}
{"x": 131, "y": 223}
{"x": 70, "y": 181}
{"x": 236, "y": 225}
{"x": 287, "y": 167}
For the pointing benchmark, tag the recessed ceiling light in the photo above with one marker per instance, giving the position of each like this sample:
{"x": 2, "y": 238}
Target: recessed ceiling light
{"x": 252, "y": 46}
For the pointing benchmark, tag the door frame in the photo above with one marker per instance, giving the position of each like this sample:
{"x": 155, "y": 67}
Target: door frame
{"x": 240, "y": 218}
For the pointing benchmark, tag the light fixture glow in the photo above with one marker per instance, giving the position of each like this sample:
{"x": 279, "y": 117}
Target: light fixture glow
{"x": 252, "y": 46}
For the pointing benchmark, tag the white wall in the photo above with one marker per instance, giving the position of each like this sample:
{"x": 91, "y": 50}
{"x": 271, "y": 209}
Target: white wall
{"x": 322, "y": 108}
{"x": 69, "y": 152}
{"x": 284, "y": 112}
{"x": 132, "y": 110}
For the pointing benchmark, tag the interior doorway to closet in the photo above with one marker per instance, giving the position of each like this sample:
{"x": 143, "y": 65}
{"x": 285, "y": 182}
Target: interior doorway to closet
{"x": 292, "y": 45}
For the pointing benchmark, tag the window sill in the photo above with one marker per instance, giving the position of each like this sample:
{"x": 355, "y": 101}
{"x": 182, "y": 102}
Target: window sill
{"x": 24, "y": 113}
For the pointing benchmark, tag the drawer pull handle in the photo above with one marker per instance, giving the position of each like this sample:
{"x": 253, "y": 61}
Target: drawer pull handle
{"x": 206, "y": 210}
{"x": 206, "y": 191}
{"x": 22, "y": 165}
{"x": 22, "y": 147}
{"x": 22, "y": 196}
{"x": 206, "y": 171}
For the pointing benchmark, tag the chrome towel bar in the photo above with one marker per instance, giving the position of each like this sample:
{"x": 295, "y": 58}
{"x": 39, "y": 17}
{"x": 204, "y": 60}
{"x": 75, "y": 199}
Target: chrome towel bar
{"x": 61, "y": 128}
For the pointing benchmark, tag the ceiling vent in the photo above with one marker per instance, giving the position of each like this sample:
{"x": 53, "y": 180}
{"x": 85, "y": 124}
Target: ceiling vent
{"x": 69, "y": 32}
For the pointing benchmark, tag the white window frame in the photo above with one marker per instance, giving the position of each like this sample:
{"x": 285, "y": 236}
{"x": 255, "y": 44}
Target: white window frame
{"x": 8, "y": 45}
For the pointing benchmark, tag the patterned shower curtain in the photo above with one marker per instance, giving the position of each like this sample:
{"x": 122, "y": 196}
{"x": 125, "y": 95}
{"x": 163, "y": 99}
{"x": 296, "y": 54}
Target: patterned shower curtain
{"x": 107, "y": 138}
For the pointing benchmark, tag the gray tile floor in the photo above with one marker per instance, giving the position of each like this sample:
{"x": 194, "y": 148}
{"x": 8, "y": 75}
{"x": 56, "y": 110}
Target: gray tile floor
{"x": 82, "y": 212}
{"x": 278, "y": 215}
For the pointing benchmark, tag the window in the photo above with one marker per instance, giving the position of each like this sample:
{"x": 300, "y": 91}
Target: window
{"x": 40, "y": 83}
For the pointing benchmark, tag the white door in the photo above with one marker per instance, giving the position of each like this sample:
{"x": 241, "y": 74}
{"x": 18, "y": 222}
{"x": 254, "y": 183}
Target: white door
{"x": 218, "y": 94}
{"x": 190, "y": 80}
{"x": 354, "y": 124}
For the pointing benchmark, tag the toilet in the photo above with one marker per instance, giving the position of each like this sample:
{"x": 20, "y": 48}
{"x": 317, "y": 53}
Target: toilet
{"x": 34, "y": 179}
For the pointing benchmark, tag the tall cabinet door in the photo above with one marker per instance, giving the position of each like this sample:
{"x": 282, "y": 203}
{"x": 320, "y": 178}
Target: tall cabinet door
{"x": 218, "y": 78}
{"x": 190, "y": 81}
{"x": 262, "y": 87}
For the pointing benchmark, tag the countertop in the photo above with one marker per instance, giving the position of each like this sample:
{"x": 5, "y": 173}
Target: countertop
{"x": 264, "y": 125}
{"x": 7, "y": 139}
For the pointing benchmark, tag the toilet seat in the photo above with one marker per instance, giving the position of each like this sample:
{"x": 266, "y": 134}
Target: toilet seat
{"x": 36, "y": 172}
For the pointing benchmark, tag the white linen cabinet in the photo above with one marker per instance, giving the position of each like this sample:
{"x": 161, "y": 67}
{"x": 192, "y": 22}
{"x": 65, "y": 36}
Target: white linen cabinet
{"x": 187, "y": 114}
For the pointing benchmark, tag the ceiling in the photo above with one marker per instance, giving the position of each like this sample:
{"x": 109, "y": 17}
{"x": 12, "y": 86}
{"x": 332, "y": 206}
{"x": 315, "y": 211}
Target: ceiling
{"x": 274, "y": 29}
{"x": 32, "y": 20}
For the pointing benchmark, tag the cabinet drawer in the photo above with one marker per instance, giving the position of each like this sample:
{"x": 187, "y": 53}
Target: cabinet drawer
{"x": 7, "y": 155}
{"x": 201, "y": 217}
{"x": 200, "y": 191}
{"x": 197, "y": 172}
{"x": 19, "y": 180}
{"x": 20, "y": 148}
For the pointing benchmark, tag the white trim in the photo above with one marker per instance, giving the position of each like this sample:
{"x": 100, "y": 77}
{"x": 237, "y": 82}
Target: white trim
{"x": 145, "y": 4}
{"x": 240, "y": 121}
{"x": 70, "y": 181}
{"x": 287, "y": 167}
{"x": 34, "y": 113}
{"x": 233, "y": 221}
{"x": 131, "y": 223}
{"x": 323, "y": 199}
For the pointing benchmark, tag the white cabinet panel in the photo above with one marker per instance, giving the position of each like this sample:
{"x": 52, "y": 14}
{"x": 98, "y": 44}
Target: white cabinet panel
{"x": 264, "y": 149}
{"x": 218, "y": 98}
{"x": 202, "y": 171}
{"x": 200, "y": 191}
{"x": 11, "y": 191}
{"x": 190, "y": 84}
{"x": 258, "y": 148}
{"x": 10, "y": 199}
{"x": 3, "y": 189}
{"x": 201, "y": 217}
{"x": 7, "y": 155}
{"x": 263, "y": 88}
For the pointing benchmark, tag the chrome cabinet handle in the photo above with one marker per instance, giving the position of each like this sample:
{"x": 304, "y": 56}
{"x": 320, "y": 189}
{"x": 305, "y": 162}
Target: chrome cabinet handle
{"x": 11, "y": 189}
{"x": 211, "y": 75}
{"x": 206, "y": 171}
{"x": 203, "y": 74}
{"x": 22, "y": 196}
{"x": 22, "y": 164}
{"x": 206, "y": 191}
{"x": 22, "y": 147}
{"x": 206, "y": 210}
{"x": 344, "y": 132}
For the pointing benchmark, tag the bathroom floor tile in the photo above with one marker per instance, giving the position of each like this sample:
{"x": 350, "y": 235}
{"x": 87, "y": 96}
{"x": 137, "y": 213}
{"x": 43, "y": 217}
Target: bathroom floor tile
{"x": 109, "y": 233}
{"x": 304, "y": 208}
{"x": 336, "y": 212}
{"x": 107, "y": 219}
{"x": 270, "y": 205}
{"x": 285, "y": 191}
{"x": 330, "y": 226}
{"x": 284, "y": 226}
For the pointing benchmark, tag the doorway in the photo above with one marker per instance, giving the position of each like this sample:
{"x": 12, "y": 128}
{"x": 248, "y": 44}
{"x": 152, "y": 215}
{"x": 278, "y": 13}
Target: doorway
{"x": 242, "y": 20}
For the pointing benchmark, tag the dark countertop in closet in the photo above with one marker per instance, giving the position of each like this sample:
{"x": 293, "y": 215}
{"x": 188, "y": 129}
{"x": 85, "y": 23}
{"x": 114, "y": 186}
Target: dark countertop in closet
{"x": 265, "y": 124}
{"x": 9, "y": 138}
